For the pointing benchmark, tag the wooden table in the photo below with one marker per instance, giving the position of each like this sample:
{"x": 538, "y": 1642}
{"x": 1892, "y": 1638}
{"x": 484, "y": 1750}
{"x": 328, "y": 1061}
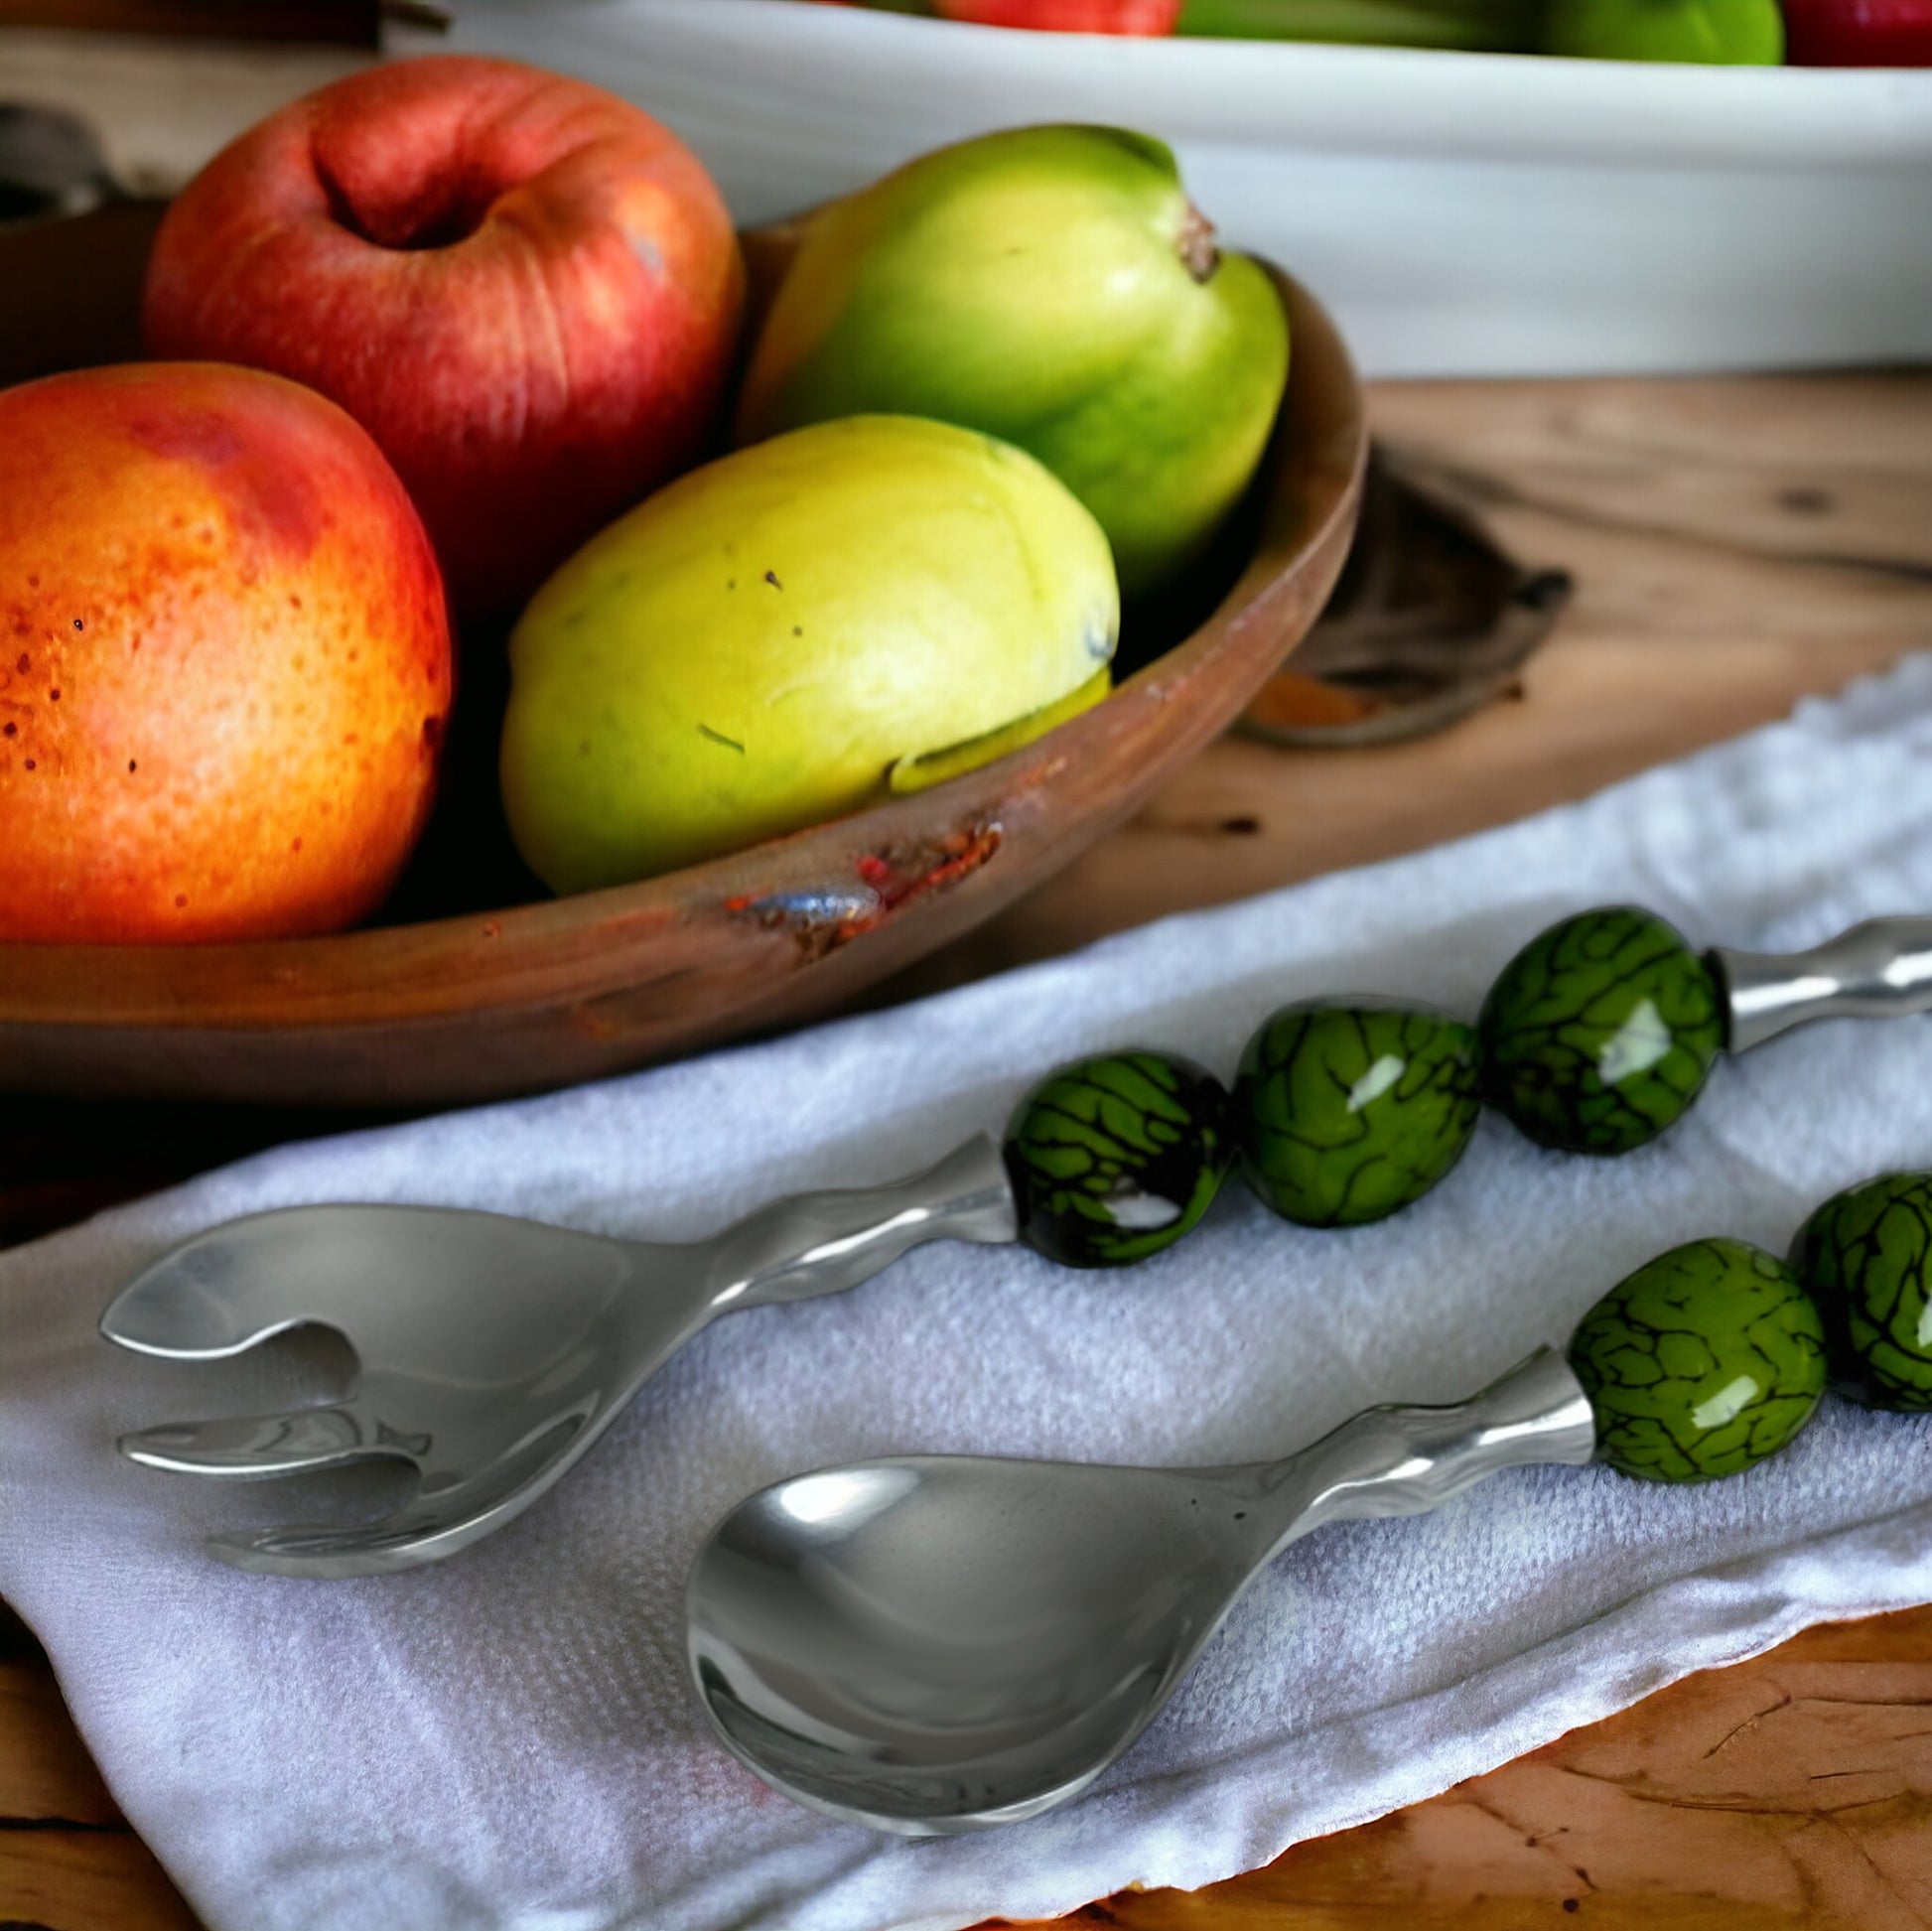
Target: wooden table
{"x": 1736, "y": 544}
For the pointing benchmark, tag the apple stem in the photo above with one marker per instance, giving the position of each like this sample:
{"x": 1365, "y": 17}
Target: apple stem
{"x": 1195, "y": 244}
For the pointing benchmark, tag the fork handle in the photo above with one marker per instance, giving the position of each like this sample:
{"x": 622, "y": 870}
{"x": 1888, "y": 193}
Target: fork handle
{"x": 824, "y": 1243}
{"x": 1881, "y": 969}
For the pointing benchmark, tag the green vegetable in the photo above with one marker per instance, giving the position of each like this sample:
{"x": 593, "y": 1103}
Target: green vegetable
{"x": 1345, "y": 1113}
{"x": 1700, "y": 1364}
{"x": 1475, "y": 26}
{"x": 1867, "y": 1257}
{"x": 1115, "y": 1158}
{"x": 1600, "y": 1032}
{"x": 1731, "y": 33}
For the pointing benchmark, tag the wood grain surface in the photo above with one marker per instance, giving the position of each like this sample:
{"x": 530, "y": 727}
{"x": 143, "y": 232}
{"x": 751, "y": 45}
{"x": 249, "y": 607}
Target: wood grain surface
{"x": 1791, "y": 1791}
{"x": 1738, "y": 544}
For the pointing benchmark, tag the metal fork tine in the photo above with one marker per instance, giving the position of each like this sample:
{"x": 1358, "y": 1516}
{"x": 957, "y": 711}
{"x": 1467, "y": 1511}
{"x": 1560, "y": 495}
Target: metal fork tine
{"x": 407, "y": 1539}
{"x": 247, "y": 1446}
{"x": 312, "y": 1550}
{"x": 211, "y": 1297}
{"x": 421, "y": 1530}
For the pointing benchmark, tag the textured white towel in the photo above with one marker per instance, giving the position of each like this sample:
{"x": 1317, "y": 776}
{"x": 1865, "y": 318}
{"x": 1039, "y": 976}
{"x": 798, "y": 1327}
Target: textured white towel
{"x": 509, "y": 1739}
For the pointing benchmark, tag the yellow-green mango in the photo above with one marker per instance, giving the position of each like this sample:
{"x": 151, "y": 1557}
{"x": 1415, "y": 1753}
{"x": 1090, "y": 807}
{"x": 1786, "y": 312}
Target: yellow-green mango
{"x": 765, "y": 643}
{"x": 1052, "y": 286}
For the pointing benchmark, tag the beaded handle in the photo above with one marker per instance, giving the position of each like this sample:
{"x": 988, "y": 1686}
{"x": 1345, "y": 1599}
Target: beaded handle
{"x": 1713, "y": 1356}
{"x": 1595, "y": 1038}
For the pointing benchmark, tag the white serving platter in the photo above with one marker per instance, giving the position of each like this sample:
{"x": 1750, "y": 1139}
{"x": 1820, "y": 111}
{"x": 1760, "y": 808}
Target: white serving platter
{"x": 1461, "y": 214}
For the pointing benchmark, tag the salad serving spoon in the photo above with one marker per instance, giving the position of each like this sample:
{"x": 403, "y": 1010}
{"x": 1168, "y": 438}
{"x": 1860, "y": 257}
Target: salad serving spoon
{"x": 935, "y": 1644}
{"x": 938, "y": 1644}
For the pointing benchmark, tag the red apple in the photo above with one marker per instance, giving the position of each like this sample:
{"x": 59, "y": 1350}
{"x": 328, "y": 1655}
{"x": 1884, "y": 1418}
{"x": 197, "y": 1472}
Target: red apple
{"x": 225, "y": 659}
{"x": 1859, "y": 33}
{"x": 526, "y": 290}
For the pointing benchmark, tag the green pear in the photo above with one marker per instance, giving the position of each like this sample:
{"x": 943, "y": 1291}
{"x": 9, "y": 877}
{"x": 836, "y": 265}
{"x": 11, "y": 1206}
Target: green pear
{"x": 791, "y": 632}
{"x": 1055, "y": 287}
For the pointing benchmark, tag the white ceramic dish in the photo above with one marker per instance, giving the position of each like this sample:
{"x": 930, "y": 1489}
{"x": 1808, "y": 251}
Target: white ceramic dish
{"x": 1463, "y": 214}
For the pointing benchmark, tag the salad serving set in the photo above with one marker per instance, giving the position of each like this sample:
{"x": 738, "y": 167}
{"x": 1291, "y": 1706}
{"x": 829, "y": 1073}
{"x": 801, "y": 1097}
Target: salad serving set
{"x": 943, "y": 1643}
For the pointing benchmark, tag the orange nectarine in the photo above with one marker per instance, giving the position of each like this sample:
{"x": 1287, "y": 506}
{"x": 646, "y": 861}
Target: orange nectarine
{"x": 225, "y": 659}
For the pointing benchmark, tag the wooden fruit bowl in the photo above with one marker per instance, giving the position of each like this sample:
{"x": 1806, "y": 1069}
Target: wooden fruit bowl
{"x": 527, "y": 996}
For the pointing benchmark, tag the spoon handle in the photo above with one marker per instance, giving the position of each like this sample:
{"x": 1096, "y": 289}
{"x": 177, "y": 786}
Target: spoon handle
{"x": 1881, "y": 969}
{"x": 1408, "y": 1460}
{"x": 824, "y": 1243}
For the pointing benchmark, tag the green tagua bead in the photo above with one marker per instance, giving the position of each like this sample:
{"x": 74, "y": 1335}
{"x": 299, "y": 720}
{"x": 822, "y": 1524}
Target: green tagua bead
{"x": 1702, "y": 1364}
{"x": 1115, "y": 1158}
{"x": 1866, "y": 1256}
{"x": 1600, "y": 1032}
{"x": 1345, "y": 1112}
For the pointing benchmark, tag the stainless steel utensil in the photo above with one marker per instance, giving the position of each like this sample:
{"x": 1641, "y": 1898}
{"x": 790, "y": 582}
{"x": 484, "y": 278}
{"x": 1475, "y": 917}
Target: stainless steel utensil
{"x": 934, "y": 1644}
{"x": 492, "y": 1351}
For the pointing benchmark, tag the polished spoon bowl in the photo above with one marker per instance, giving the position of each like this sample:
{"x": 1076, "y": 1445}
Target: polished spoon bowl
{"x": 934, "y": 1644}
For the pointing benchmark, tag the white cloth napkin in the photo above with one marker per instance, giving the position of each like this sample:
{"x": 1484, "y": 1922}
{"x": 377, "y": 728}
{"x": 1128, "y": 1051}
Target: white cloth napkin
{"x": 509, "y": 1739}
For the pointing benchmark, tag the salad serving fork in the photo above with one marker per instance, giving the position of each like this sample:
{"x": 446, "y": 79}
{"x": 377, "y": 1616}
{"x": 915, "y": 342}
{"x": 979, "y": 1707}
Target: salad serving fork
{"x": 493, "y": 1352}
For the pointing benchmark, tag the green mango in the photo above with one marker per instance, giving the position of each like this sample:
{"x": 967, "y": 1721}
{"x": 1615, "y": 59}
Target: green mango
{"x": 777, "y": 638}
{"x": 1728, "y": 33}
{"x": 1055, "y": 287}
